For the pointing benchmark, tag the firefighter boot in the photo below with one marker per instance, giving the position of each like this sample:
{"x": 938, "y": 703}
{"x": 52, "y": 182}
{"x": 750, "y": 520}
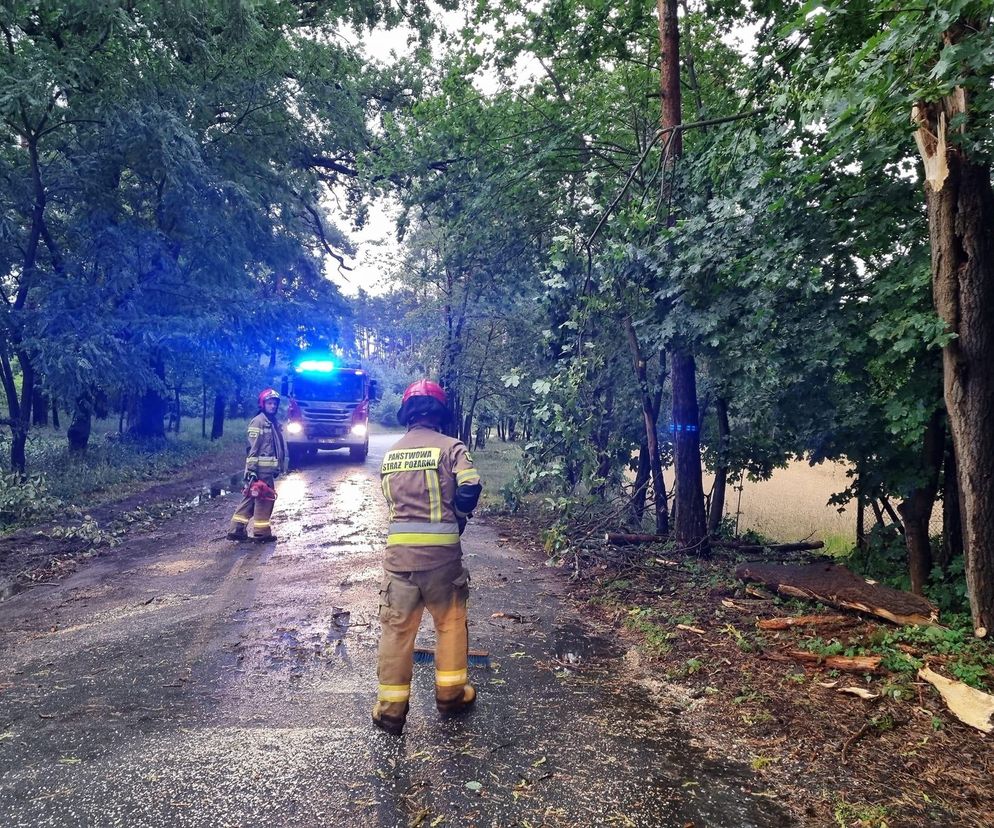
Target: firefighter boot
{"x": 392, "y": 724}
{"x": 450, "y": 707}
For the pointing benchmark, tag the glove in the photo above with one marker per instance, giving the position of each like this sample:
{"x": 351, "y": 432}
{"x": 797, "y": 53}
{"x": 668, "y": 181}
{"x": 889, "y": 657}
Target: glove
{"x": 462, "y": 521}
{"x": 250, "y": 477}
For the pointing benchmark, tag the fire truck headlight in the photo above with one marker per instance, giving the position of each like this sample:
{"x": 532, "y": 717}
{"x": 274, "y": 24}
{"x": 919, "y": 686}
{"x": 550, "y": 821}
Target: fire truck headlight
{"x": 359, "y": 429}
{"x": 294, "y": 428}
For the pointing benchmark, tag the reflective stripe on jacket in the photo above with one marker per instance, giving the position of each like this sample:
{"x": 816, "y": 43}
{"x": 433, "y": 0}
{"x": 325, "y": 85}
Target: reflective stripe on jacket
{"x": 267, "y": 453}
{"x": 419, "y": 477}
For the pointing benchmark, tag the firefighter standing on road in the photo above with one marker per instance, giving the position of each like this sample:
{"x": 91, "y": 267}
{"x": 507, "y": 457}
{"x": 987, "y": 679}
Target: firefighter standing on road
{"x": 266, "y": 460}
{"x": 431, "y": 488}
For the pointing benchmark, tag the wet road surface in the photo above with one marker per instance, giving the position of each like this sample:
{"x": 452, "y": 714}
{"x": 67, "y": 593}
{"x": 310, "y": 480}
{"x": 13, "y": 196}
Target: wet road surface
{"x": 186, "y": 680}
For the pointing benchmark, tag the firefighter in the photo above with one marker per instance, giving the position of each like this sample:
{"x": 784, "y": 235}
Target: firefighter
{"x": 266, "y": 460}
{"x": 431, "y": 489}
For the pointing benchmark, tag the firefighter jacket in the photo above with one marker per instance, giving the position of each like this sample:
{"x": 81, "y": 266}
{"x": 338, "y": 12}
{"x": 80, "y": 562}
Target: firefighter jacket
{"x": 420, "y": 477}
{"x": 267, "y": 452}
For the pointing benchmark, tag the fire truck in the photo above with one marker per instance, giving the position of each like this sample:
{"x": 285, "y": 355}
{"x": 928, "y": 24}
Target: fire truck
{"x": 328, "y": 409}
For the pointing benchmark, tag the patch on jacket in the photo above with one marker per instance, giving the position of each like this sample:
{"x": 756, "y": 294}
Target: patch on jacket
{"x": 402, "y": 460}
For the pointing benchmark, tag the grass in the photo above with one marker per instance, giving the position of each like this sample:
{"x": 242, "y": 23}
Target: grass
{"x": 498, "y": 464}
{"x": 110, "y": 468}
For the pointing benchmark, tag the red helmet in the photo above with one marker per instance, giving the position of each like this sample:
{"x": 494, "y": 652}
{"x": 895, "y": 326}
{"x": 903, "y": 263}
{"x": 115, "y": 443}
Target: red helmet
{"x": 268, "y": 394}
{"x": 425, "y": 388}
{"x": 423, "y": 398}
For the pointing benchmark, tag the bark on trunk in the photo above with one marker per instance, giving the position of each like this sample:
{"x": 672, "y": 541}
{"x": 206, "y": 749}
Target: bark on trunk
{"x": 650, "y": 417}
{"x": 721, "y": 470}
{"x": 961, "y": 228}
{"x": 691, "y": 521}
{"x": 39, "y": 408}
{"x": 217, "y": 425}
{"x": 637, "y": 505}
{"x": 79, "y": 429}
{"x": 149, "y": 414}
{"x": 952, "y": 522}
{"x": 916, "y": 508}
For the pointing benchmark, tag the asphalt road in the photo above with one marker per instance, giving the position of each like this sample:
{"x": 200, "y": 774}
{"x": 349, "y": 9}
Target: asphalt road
{"x": 184, "y": 680}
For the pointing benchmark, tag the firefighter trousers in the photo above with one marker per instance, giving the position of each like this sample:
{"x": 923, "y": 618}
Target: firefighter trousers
{"x": 403, "y": 598}
{"x": 256, "y": 510}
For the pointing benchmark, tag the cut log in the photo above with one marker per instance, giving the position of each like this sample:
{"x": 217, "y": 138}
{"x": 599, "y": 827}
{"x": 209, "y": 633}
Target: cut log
{"x": 744, "y": 546}
{"x": 802, "y": 621}
{"x": 849, "y": 664}
{"x": 630, "y": 539}
{"x": 838, "y": 587}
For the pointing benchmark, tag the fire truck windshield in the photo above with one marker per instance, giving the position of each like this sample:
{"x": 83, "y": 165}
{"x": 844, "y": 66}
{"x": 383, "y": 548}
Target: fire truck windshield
{"x": 334, "y": 386}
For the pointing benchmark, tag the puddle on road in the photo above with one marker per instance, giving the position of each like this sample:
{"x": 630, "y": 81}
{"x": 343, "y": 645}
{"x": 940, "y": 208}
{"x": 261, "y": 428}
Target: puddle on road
{"x": 571, "y": 644}
{"x": 299, "y": 648}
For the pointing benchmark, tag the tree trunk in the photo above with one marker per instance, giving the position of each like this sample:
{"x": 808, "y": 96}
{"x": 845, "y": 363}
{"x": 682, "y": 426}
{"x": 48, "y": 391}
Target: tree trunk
{"x": 203, "y": 413}
{"x": 39, "y": 408}
{"x": 916, "y": 508}
{"x": 961, "y": 229}
{"x": 952, "y": 520}
{"x": 637, "y": 506}
{"x": 79, "y": 429}
{"x": 691, "y": 520}
{"x": 55, "y": 414}
{"x": 721, "y": 469}
{"x": 650, "y": 419}
{"x": 149, "y": 414}
{"x": 217, "y": 425}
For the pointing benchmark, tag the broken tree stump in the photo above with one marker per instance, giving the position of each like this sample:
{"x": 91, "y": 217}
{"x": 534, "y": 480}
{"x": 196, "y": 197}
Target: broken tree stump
{"x": 838, "y": 587}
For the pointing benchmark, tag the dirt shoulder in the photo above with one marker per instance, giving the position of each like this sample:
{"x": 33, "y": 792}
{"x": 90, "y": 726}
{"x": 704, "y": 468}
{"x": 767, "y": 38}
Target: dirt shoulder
{"x": 831, "y": 757}
{"x": 39, "y": 554}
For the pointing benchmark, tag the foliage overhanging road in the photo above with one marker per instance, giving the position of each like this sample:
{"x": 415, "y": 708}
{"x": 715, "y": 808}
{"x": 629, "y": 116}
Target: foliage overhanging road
{"x": 185, "y": 681}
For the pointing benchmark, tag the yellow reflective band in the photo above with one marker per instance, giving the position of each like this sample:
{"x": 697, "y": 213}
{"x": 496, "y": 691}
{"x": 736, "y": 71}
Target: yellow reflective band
{"x": 467, "y": 475}
{"x": 239, "y": 519}
{"x": 451, "y": 678}
{"x": 394, "y": 692}
{"x": 254, "y": 432}
{"x": 434, "y": 496}
{"x": 422, "y": 539}
{"x": 262, "y": 524}
{"x": 268, "y": 461}
{"x": 401, "y": 460}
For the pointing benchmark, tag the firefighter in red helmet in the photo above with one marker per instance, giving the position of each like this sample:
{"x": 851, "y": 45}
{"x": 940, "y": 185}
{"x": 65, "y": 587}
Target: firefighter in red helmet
{"x": 265, "y": 461}
{"x": 431, "y": 488}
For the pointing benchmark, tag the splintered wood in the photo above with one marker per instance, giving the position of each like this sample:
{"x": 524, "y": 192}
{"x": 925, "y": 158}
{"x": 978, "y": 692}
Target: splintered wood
{"x": 838, "y": 587}
{"x": 802, "y": 621}
{"x": 971, "y": 706}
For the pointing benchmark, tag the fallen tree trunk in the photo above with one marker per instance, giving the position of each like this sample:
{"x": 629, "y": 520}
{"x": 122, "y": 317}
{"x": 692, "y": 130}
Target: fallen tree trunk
{"x": 802, "y": 621}
{"x": 838, "y": 587}
{"x": 848, "y": 664}
{"x": 629, "y": 539}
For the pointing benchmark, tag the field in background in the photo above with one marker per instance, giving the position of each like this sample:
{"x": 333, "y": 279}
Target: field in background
{"x": 791, "y": 505}
{"x": 498, "y": 464}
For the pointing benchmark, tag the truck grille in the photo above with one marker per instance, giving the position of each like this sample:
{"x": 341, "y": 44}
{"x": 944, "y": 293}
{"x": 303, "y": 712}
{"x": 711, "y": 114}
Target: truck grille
{"x": 327, "y": 419}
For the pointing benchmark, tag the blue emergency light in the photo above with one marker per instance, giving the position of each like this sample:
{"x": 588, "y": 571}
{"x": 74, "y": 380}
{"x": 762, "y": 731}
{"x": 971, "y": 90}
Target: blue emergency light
{"x": 317, "y": 366}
